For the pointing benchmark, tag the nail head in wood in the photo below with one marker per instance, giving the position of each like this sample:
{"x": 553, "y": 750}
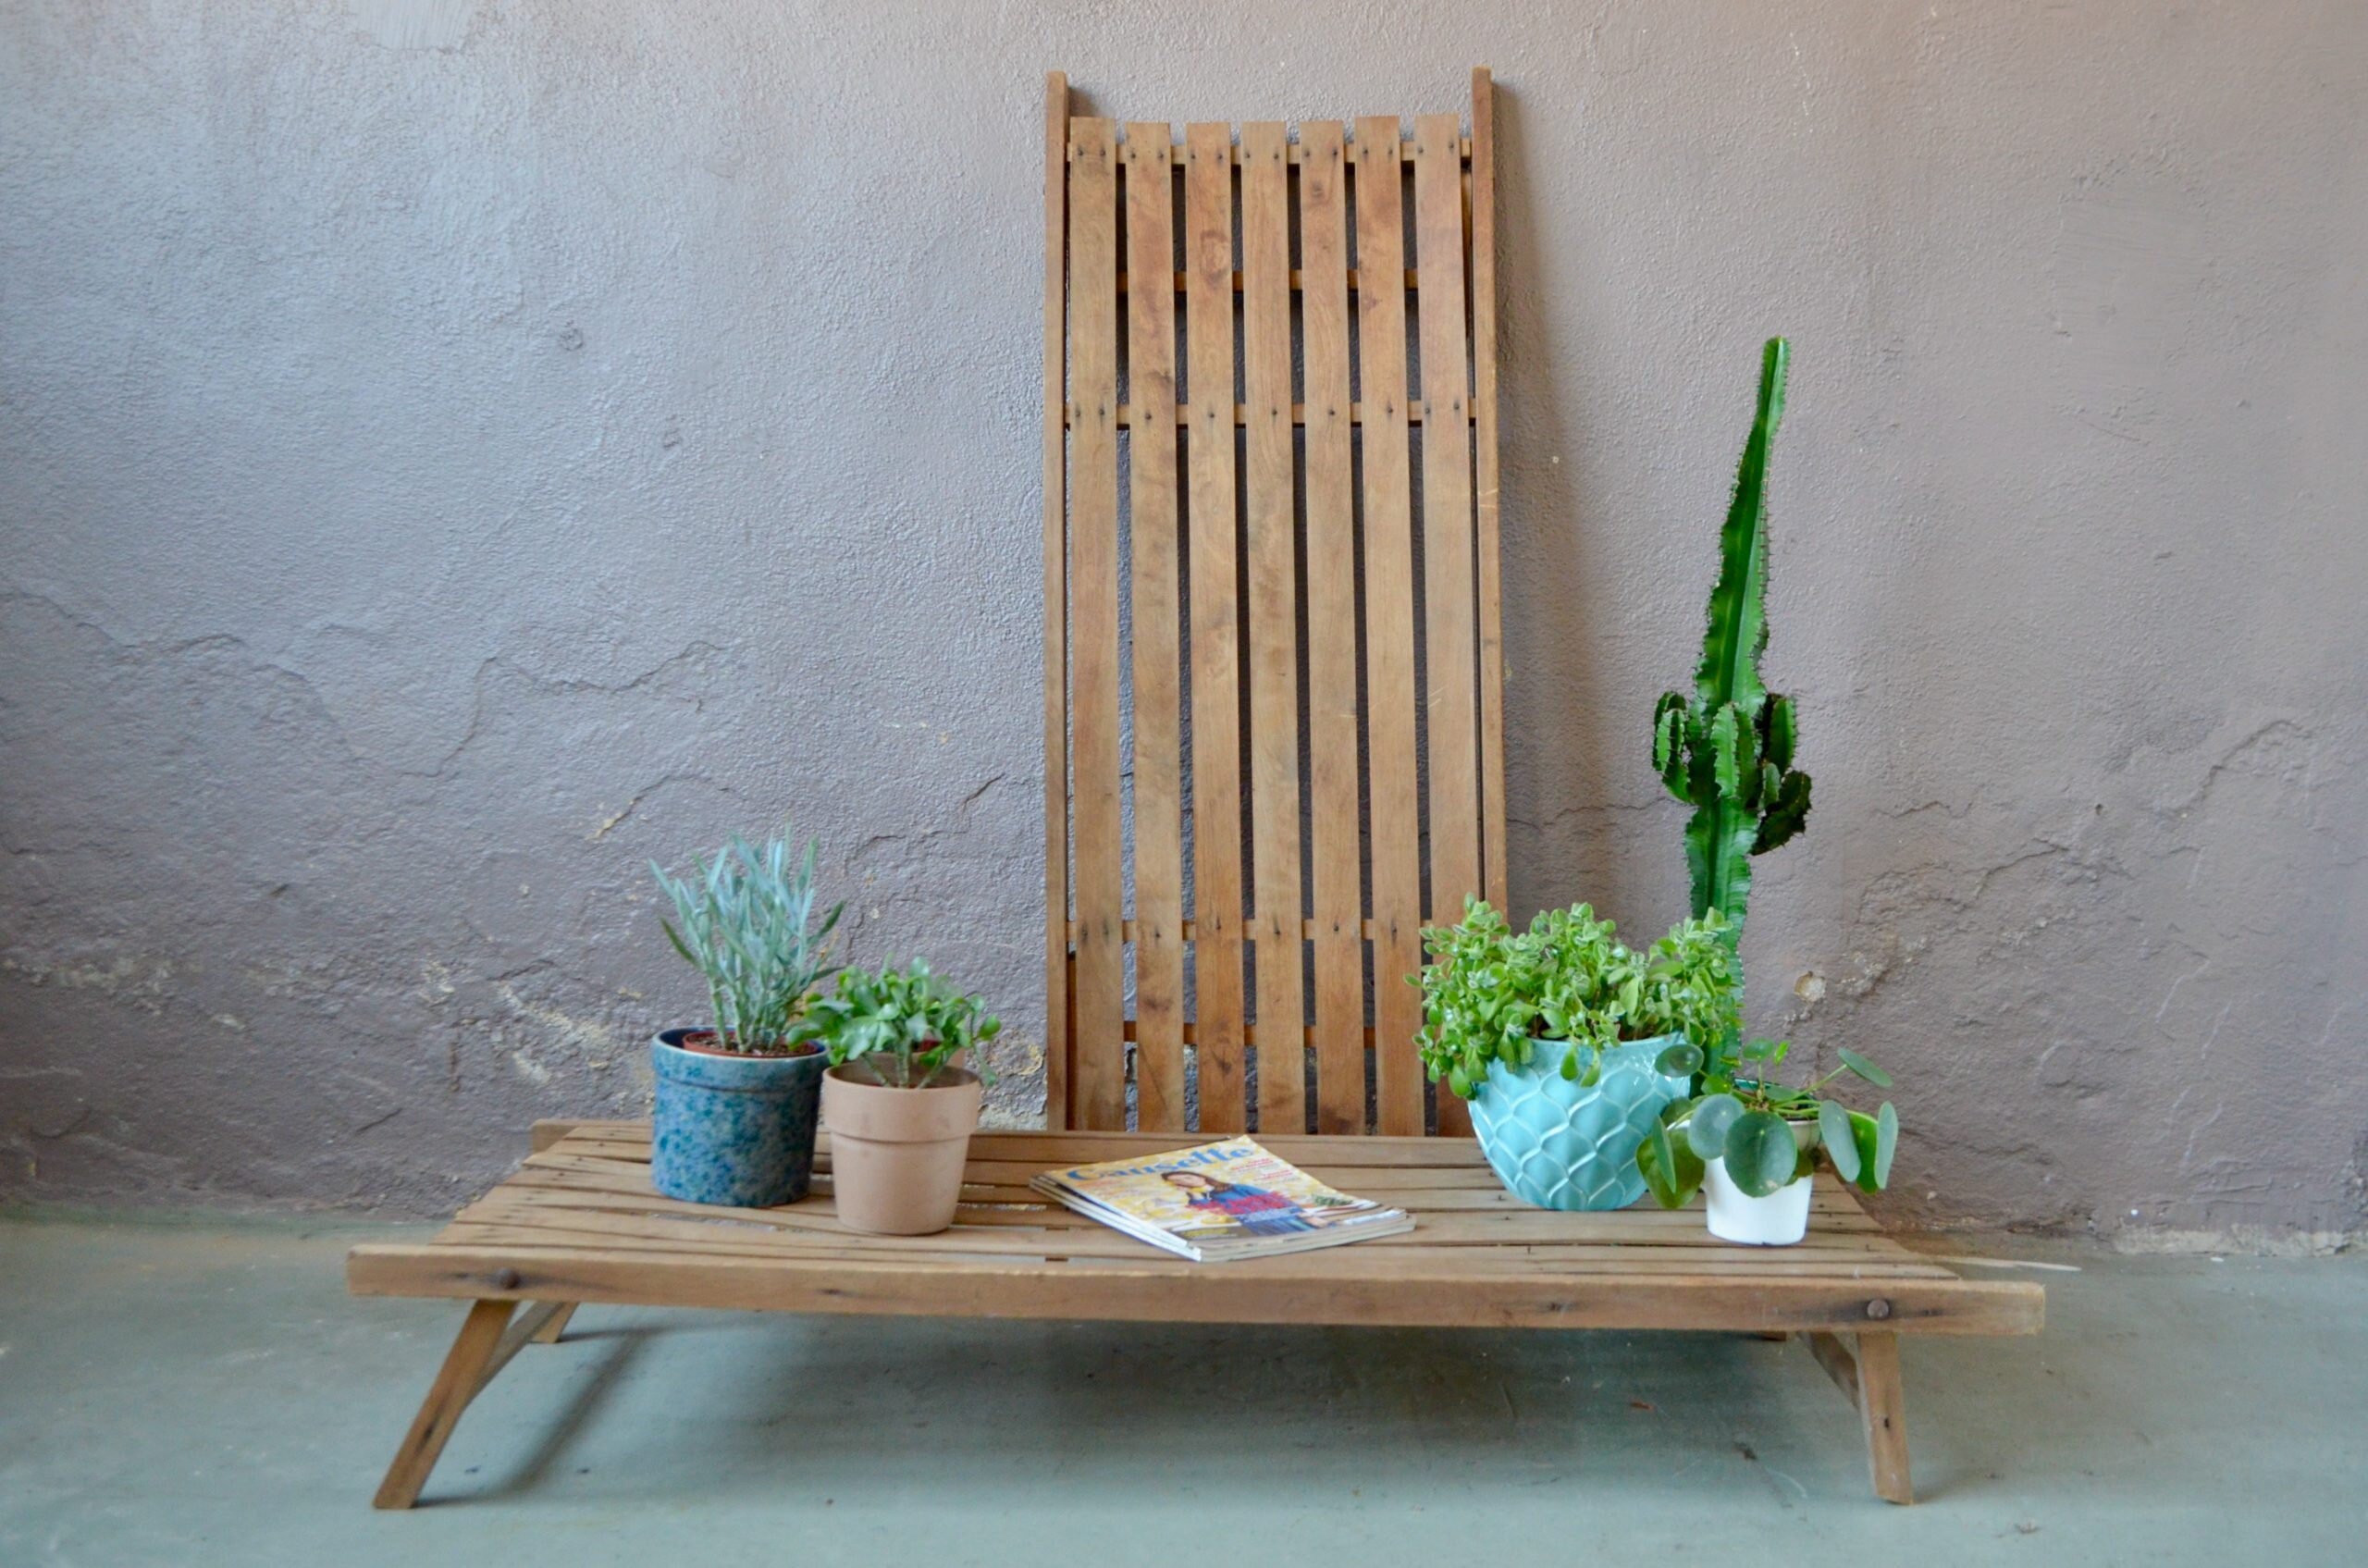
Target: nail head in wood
{"x": 510, "y": 1280}
{"x": 1878, "y": 1309}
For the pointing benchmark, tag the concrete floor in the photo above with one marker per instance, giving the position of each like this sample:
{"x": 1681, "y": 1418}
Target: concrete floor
{"x": 185, "y": 1392}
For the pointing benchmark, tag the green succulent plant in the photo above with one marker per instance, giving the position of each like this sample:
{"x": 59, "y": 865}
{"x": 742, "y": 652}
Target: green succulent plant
{"x": 1769, "y": 1134}
{"x": 746, "y": 924}
{"x": 1490, "y": 994}
{"x": 906, "y": 1025}
{"x": 1727, "y": 749}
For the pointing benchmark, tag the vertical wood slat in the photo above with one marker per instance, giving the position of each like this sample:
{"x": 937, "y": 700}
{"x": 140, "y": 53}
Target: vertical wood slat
{"x": 1449, "y": 634}
{"x": 1056, "y": 696}
{"x": 1484, "y": 443}
{"x": 1158, "y": 705}
{"x": 1331, "y": 633}
{"x": 1389, "y": 634}
{"x": 1217, "y": 675}
{"x": 1098, "y": 1082}
{"x": 1276, "y": 893}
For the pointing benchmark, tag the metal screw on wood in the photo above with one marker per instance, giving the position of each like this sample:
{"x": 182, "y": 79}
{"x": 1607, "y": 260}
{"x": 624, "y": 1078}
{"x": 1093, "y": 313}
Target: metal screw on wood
{"x": 1879, "y": 1308}
{"x": 510, "y": 1280}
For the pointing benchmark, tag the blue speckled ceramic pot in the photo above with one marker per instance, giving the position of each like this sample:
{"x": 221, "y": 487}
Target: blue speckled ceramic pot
{"x": 1559, "y": 1147}
{"x": 733, "y": 1130}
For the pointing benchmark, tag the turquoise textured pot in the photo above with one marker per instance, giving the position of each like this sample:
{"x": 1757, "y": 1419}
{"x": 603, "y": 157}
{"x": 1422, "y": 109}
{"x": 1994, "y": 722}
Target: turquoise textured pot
{"x": 737, "y": 1131}
{"x": 1560, "y": 1146}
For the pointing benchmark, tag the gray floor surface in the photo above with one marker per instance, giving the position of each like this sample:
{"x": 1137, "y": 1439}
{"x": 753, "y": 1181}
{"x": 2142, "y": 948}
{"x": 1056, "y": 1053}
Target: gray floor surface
{"x": 187, "y": 1391}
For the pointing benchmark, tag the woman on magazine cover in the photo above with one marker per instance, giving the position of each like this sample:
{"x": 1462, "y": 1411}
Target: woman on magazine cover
{"x": 1255, "y": 1209}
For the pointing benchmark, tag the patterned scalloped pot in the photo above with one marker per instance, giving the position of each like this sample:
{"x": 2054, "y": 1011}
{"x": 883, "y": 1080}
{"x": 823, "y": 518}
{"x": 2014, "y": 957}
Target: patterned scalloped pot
{"x": 1561, "y": 1146}
{"x": 737, "y": 1131}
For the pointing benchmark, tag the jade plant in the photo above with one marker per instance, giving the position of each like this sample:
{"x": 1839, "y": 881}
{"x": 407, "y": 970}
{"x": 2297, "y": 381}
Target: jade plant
{"x": 1769, "y": 1133}
{"x": 746, "y": 924}
{"x": 1727, "y": 749}
{"x": 1568, "y": 983}
{"x": 906, "y": 1025}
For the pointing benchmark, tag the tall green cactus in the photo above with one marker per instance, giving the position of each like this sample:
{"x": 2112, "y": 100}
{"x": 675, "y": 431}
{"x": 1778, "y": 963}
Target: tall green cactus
{"x": 1727, "y": 750}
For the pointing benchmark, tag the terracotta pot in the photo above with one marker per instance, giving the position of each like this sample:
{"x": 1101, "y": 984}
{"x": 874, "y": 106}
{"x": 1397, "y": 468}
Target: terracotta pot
{"x": 896, "y": 1153}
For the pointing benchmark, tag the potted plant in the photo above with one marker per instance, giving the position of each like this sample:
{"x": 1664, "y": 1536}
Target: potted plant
{"x": 1555, "y": 1036}
{"x": 734, "y": 1118}
{"x": 1753, "y": 1143}
{"x": 900, "y": 1109}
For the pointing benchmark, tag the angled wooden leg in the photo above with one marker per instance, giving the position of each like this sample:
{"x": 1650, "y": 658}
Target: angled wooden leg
{"x": 550, "y": 1332}
{"x": 466, "y": 1366}
{"x": 1882, "y": 1404}
{"x": 1867, "y": 1375}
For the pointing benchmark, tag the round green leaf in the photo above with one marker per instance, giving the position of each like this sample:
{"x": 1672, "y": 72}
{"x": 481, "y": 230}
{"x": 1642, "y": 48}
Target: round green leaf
{"x": 1863, "y": 1138}
{"x": 1886, "y": 1142}
{"x": 1864, "y": 1067}
{"x": 1459, "y": 1084}
{"x": 1681, "y": 1060}
{"x": 1569, "y": 1066}
{"x": 1841, "y": 1146}
{"x": 1673, "y": 1171}
{"x": 1707, "y": 1128}
{"x": 1760, "y": 1154}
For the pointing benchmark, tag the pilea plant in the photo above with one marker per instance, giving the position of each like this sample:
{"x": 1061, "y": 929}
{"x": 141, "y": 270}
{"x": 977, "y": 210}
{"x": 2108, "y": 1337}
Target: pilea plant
{"x": 747, "y": 925}
{"x": 905, "y": 1025}
{"x": 1490, "y": 994}
{"x": 1769, "y": 1133}
{"x": 1727, "y": 750}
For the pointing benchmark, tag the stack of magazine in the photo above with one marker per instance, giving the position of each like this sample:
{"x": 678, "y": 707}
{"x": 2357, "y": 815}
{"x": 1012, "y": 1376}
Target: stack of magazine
{"x": 1220, "y": 1202}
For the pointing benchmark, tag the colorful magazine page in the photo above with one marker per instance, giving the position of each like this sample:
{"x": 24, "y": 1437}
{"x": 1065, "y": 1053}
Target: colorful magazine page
{"x": 1232, "y": 1199}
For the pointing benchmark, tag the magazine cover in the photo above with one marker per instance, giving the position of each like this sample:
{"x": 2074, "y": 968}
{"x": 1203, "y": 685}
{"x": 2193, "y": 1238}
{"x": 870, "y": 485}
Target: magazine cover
{"x": 1232, "y": 1198}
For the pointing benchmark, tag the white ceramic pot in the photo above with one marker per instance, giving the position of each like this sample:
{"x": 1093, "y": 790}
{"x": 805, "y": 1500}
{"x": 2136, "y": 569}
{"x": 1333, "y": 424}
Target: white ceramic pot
{"x": 1780, "y": 1219}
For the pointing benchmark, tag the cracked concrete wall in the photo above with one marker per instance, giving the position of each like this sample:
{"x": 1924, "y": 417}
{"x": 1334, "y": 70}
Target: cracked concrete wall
{"x": 458, "y": 451}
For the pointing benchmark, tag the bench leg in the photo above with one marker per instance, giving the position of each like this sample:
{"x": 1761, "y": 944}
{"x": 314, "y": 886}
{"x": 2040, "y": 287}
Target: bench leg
{"x": 550, "y": 1332}
{"x": 1883, "y": 1405}
{"x": 1867, "y": 1372}
{"x": 481, "y": 1349}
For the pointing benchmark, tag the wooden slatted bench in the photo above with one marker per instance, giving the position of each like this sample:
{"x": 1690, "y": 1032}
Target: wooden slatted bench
{"x": 1277, "y": 537}
{"x": 579, "y": 1222}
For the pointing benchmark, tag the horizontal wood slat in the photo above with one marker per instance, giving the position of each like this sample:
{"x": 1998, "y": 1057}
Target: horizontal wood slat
{"x": 1405, "y": 150}
{"x": 1414, "y": 412}
{"x": 1306, "y": 931}
{"x": 1356, "y": 281}
{"x": 580, "y": 1222}
{"x": 1153, "y": 1292}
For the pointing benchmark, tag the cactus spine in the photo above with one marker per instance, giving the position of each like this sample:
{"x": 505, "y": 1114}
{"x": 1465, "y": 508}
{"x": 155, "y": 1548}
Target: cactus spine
{"x": 1727, "y": 750}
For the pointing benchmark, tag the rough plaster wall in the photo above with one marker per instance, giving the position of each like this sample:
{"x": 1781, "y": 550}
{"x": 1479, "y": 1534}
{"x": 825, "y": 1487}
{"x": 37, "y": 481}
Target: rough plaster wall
{"x": 457, "y": 451}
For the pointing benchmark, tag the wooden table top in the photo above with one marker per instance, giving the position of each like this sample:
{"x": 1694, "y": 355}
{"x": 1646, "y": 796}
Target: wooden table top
{"x": 580, "y": 1222}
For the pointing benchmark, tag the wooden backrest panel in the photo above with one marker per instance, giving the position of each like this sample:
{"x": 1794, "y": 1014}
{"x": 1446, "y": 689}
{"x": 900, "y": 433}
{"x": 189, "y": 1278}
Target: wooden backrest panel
{"x": 1305, "y": 628}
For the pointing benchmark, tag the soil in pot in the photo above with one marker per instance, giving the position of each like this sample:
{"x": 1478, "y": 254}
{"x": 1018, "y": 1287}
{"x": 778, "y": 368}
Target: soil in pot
{"x": 707, "y": 1042}
{"x": 896, "y": 1155}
